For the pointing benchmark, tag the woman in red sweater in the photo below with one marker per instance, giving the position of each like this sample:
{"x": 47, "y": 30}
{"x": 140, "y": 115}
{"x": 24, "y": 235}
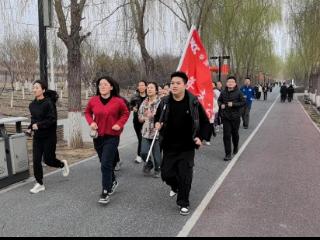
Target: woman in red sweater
{"x": 107, "y": 114}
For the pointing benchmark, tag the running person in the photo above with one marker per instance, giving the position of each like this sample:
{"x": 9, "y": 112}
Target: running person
{"x": 147, "y": 112}
{"x": 44, "y": 125}
{"x": 231, "y": 102}
{"x": 180, "y": 117}
{"x": 107, "y": 114}
{"x": 249, "y": 94}
{"x": 135, "y": 104}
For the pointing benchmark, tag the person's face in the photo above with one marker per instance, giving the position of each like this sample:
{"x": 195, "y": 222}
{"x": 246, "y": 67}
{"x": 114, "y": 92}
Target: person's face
{"x": 151, "y": 90}
{"x": 37, "y": 90}
{"x": 178, "y": 86}
{"x": 219, "y": 85}
{"x": 247, "y": 82}
{"x": 166, "y": 91}
{"x": 231, "y": 83}
{"x": 142, "y": 87}
{"x": 105, "y": 87}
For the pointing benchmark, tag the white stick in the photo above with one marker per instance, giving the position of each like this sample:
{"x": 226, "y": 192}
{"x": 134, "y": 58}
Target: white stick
{"x": 153, "y": 142}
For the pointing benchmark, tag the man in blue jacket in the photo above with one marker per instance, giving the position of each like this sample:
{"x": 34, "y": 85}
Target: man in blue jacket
{"x": 249, "y": 94}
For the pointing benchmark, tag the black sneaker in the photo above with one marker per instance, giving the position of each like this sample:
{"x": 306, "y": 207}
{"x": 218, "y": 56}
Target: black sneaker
{"x": 184, "y": 211}
{"x": 157, "y": 174}
{"x": 104, "y": 199}
{"x": 228, "y": 158}
{"x": 114, "y": 188}
{"x": 146, "y": 171}
{"x": 235, "y": 151}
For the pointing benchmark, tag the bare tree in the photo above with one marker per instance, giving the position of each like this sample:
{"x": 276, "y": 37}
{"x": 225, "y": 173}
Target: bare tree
{"x": 138, "y": 12}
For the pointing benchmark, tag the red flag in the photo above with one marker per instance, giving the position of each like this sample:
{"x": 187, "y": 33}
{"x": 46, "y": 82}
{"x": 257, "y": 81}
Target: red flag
{"x": 195, "y": 64}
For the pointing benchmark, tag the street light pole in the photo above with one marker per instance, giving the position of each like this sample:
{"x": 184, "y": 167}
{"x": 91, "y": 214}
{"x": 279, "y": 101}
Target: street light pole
{"x": 220, "y": 58}
{"x": 42, "y": 44}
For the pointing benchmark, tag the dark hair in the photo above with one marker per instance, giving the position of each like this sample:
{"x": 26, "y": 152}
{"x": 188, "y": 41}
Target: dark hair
{"x": 167, "y": 85}
{"x": 52, "y": 95}
{"x": 143, "y": 81}
{"x": 115, "y": 92}
{"x": 232, "y": 78}
{"x": 154, "y": 84}
{"x": 43, "y": 85}
{"x": 248, "y": 78}
{"x": 180, "y": 75}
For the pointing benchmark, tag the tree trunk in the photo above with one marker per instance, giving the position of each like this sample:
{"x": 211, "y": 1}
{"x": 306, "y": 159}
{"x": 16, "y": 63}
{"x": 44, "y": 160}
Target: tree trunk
{"x": 74, "y": 97}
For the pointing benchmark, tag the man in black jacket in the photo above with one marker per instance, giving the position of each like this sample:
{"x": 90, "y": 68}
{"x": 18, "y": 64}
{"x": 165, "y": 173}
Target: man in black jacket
{"x": 181, "y": 118}
{"x": 284, "y": 92}
{"x": 231, "y": 102}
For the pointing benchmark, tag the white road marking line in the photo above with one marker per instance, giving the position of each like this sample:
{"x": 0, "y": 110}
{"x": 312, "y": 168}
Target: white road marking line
{"x": 207, "y": 199}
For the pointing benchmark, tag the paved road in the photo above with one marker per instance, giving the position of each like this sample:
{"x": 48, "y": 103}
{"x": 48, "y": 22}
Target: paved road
{"x": 274, "y": 189}
{"x": 141, "y": 206}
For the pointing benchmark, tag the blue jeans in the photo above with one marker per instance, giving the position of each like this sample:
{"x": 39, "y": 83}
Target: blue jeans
{"x": 145, "y": 148}
{"x": 107, "y": 148}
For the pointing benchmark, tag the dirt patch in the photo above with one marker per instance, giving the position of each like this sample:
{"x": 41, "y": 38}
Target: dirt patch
{"x": 312, "y": 111}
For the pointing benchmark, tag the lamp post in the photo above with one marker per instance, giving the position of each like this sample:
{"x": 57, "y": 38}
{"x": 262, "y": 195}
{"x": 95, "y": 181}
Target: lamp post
{"x": 221, "y": 59}
{"x": 42, "y": 44}
{"x": 45, "y": 20}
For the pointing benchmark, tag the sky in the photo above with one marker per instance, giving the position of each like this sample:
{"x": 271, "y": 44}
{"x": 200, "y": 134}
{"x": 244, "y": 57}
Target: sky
{"x": 166, "y": 35}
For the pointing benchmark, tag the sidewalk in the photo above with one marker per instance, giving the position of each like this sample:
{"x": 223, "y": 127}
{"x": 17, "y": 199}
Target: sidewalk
{"x": 274, "y": 189}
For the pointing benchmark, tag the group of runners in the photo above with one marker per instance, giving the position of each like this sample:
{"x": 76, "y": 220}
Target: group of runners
{"x": 169, "y": 120}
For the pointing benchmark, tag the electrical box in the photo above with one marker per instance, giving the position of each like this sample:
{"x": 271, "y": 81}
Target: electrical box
{"x": 19, "y": 153}
{"x": 3, "y": 160}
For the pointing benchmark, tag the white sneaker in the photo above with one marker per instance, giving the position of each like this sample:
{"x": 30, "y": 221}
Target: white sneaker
{"x": 65, "y": 169}
{"x": 138, "y": 160}
{"x": 37, "y": 188}
{"x": 172, "y": 194}
{"x": 118, "y": 167}
{"x": 207, "y": 143}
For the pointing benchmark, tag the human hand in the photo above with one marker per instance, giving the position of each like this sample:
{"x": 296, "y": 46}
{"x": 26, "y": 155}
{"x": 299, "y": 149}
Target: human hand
{"x": 198, "y": 142}
{"x": 94, "y": 126}
{"x": 116, "y": 128}
{"x": 35, "y": 127}
{"x": 158, "y": 126}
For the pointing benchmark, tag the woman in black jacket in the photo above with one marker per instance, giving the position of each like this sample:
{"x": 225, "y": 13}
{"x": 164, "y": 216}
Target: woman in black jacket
{"x": 135, "y": 104}
{"x": 44, "y": 125}
{"x": 231, "y": 102}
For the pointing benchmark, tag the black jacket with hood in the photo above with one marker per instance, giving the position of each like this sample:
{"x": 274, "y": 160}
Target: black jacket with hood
{"x": 198, "y": 115}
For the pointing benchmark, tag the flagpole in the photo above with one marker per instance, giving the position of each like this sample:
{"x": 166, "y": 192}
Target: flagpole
{"x": 186, "y": 47}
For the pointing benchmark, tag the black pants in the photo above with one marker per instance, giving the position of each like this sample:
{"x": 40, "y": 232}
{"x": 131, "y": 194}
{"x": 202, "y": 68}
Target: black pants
{"x": 209, "y": 131}
{"x": 231, "y": 130}
{"x": 177, "y": 172}
{"x": 258, "y": 95}
{"x": 138, "y": 128}
{"x": 246, "y": 115}
{"x": 44, "y": 148}
{"x": 107, "y": 149}
{"x": 265, "y": 96}
{"x": 283, "y": 98}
